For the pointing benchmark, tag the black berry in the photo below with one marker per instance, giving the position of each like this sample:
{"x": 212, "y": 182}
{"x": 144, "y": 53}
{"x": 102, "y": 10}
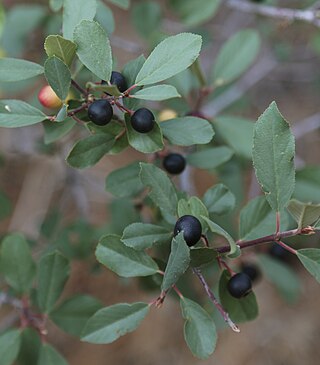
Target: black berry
{"x": 174, "y": 163}
{"x": 118, "y": 79}
{"x": 239, "y": 285}
{"x": 251, "y": 270}
{"x": 100, "y": 112}
{"x": 278, "y": 252}
{"x": 142, "y": 120}
{"x": 191, "y": 228}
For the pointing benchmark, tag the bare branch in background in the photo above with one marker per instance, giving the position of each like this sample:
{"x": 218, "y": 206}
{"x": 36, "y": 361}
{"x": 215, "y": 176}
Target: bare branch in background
{"x": 309, "y": 15}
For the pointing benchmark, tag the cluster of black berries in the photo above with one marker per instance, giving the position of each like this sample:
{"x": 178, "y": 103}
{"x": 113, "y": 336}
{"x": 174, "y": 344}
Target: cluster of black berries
{"x": 239, "y": 284}
{"x": 100, "y": 112}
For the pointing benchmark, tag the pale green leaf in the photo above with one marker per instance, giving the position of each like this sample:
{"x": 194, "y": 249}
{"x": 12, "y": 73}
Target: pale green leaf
{"x": 53, "y": 272}
{"x": 10, "y": 342}
{"x": 17, "y": 113}
{"x": 87, "y": 152}
{"x": 193, "y": 206}
{"x": 219, "y": 199}
{"x": 210, "y": 158}
{"x": 140, "y": 236}
{"x": 54, "y": 131}
{"x": 64, "y": 49}
{"x": 110, "y": 323}
{"x": 236, "y": 56}
{"x": 123, "y": 260}
{"x": 273, "y": 157}
{"x": 58, "y": 76}
{"x": 178, "y": 262}
{"x": 13, "y": 69}
{"x": 310, "y": 258}
{"x": 94, "y": 49}
{"x": 74, "y": 11}
{"x": 171, "y": 56}
{"x": 202, "y": 256}
{"x": 305, "y": 214}
{"x": 199, "y": 329}
{"x": 187, "y": 131}
{"x": 50, "y": 356}
{"x": 157, "y": 93}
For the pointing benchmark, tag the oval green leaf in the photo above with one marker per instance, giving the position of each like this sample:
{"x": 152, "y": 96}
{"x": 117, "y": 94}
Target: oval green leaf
{"x": 13, "y": 69}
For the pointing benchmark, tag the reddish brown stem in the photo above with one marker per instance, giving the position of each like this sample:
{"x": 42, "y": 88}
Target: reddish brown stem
{"x": 205, "y": 240}
{"x": 286, "y": 247}
{"x": 127, "y": 92}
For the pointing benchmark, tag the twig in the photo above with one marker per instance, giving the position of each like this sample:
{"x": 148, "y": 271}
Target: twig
{"x": 307, "y": 15}
{"x": 79, "y": 88}
{"x": 214, "y": 300}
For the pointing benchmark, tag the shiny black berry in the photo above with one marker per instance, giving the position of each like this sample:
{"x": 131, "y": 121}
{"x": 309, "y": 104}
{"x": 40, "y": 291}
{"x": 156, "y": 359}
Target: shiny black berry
{"x": 174, "y": 163}
{"x": 191, "y": 228}
{"x": 100, "y": 112}
{"x": 278, "y": 252}
{"x": 251, "y": 270}
{"x": 118, "y": 79}
{"x": 142, "y": 120}
{"x": 239, "y": 285}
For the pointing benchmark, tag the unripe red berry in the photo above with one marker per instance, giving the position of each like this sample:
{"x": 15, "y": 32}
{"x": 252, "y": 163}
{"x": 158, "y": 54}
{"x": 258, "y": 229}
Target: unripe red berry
{"x": 48, "y": 98}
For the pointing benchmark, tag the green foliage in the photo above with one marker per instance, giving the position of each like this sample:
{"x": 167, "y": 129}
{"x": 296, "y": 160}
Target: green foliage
{"x": 273, "y": 154}
{"x": 57, "y": 46}
{"x": 193, "y": 206}
{"x": 310, "y": 258}
{"x": 304, "y": 214}
{"x": 17, "y": 264}
{"x": 178, "y": 262}
{"x": 55, "y": 131}
{"x": 109, "y": 323}
{"x": 49, "y": 356}
{"x": 9, "y": 346}
{"x": 124, "y": 260}
{"x": 17, "y": 113}
{"x": 58, "y": 76}
{"x": 157, "y": 93}
{"x": 239, "y": 310}
{"x": 170, "y": 57}
{"x": 219, "y": 200}
{"x": 187, "y": 131}
{"x": 12, "y": 69}
{"x": 236, "y": 56}
{"x": 210, "y": 158}
{"x": 202, "y": 256}
{"x": 53, "y": 272}
{"x": 199, "y": 329}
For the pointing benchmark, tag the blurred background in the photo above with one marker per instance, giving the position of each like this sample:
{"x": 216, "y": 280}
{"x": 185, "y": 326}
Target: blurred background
{"x": 51, "y": 203}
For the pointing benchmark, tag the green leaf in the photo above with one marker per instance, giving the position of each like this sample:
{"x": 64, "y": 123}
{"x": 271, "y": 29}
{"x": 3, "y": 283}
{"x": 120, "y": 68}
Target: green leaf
{"x": 87, "y": 152}
{"x": 178, "y": 262}
{"x": 53, "y": 272}
{"x": 58, "y": 76}
{"x": 94, "y": 49}
{"x": 72, "y": 315}
{"x": 197, "y": 12}
{"x": 75, "y": 11}
{"x": 105, "y": 17}
{"x": 146, "y": 17}
{"x": 304, "y": 214}
{"x": 202, "y": 256}
{"x": 237, "y": 133}
{"x": 258, "y": 220}
{"x": 17, "y": 113}
{"x": 50, "y": 356}
{"x": 29, "y": 348}
{"x": 284, "y": 278}
{"x": 187, "y": 131}
{"x": 110, "y": 323}
{"x": 123, "y": 260}
{"x": 17, "y": 264}
{"x": 110, "y": 89}
{"x": 56, "y": 5}
{"x": 210, "y": 158}
{"x": 140, "y": 236}
{"x": 158, "y": 93}
{"x": 162, "y": 192}
{"x": 195, "y": 207}
{"x": 307, "y": 184}
{"x": 10, "y": 342}
{"x": 54, "y": 131}
{"x": 125, "y": 182}
{"x": 62, "y": 114}
{"x": 144, "y": 142}
{"x": 199, "y": 329}
{"x": 5, "y": 205}
{"x": 273, "y": 157}
{"x": 171, "y": 56}
{"x": 123, "y": 4}
{"x": 239, "y": 310}
{"x": 65, "y": 50}
{"x": 219, "y": 200}
{"x": 2, "y": 19}
{"x": 215, "y": 228}
{"x": 310, "y": 258}
{"x": 13, "y": 69}
{"x": 236, "y": 56}
{"x": 132, "y": 68}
